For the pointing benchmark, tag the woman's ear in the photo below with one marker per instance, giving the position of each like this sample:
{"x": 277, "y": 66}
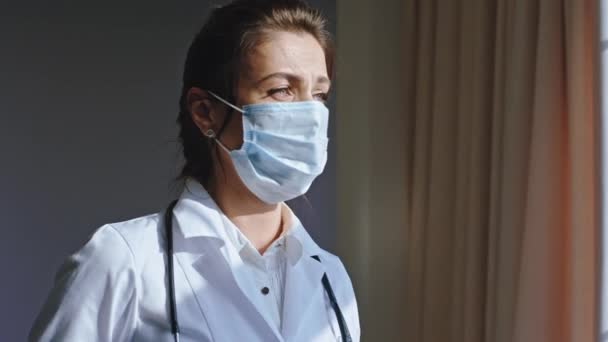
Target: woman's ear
{"x": 204, "y": 112}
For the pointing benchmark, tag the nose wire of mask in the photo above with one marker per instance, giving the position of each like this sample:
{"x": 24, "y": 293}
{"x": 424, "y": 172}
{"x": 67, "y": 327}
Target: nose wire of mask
{"x": 284, "y": 148}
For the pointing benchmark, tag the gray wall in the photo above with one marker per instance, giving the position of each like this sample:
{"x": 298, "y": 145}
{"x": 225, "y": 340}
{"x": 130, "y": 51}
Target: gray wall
{"x": 88, "y": 100}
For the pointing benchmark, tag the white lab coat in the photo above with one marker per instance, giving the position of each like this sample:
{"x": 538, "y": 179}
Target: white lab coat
{"x": 114, "y": 288}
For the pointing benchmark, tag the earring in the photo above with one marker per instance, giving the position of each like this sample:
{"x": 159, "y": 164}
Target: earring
{"x": 210, "y": 134}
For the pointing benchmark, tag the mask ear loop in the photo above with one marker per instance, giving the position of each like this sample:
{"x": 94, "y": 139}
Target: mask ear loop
{"x": 225, "y": 102}
{"x": 211, "y": 134}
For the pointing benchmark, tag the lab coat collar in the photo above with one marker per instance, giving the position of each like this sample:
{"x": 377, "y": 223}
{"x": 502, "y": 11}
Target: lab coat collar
{"x": 199, "y": 244}
{"x": 193, "y": 190}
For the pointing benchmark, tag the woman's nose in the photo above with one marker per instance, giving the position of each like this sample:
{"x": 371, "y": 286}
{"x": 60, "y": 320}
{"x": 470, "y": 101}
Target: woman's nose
{"x": 305, "y": 96}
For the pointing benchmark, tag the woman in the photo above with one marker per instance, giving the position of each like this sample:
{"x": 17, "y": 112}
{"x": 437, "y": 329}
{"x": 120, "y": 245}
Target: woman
{"x": 228, "y": 261}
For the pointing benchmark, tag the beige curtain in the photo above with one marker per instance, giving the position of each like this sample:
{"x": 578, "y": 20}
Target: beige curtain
{"x": 502, "y": 218}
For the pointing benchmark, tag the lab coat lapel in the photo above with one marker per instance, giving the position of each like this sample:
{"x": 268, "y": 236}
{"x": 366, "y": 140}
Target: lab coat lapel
{"x": 215, "y": 271}
{"x": 303, "y": 286}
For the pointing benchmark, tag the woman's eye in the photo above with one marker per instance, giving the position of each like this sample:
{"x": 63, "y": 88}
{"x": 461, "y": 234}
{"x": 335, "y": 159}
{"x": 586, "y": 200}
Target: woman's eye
{"x": 321, "y": 97}
{"x": 281, "y": 92}
{"x": 286, "y": 93}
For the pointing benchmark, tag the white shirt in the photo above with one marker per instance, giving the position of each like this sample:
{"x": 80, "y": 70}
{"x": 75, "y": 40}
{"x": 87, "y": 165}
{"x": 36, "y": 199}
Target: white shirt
{"x": 267, "y": 270}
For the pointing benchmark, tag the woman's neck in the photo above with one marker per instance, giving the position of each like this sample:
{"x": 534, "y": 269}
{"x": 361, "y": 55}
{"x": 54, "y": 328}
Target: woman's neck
{"x": 260, "y": 222}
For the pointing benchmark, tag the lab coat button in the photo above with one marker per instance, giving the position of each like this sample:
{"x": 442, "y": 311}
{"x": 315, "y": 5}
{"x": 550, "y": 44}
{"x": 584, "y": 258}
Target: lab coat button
{"x": 265, "y": 290}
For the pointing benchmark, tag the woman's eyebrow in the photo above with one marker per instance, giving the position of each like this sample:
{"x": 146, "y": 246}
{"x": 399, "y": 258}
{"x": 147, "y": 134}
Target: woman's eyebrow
{"x": 283, "y": 75}
{"x": 290, "y": 76}
{"x": 324, "y": 80}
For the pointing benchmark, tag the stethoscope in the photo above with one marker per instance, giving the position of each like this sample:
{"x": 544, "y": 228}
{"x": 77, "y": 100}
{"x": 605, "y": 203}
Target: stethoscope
{"x": 172, "y": 305}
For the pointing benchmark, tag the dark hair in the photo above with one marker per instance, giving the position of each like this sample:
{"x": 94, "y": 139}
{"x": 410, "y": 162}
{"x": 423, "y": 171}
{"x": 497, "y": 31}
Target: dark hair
{"x": 214, "y": 62}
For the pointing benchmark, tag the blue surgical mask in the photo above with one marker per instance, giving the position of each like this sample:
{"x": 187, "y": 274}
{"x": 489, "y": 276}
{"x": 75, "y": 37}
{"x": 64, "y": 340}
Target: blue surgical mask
{"x": 284, "y": 147}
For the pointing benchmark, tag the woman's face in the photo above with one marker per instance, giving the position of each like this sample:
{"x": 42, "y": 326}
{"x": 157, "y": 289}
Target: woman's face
{"x": 285, "y": 67}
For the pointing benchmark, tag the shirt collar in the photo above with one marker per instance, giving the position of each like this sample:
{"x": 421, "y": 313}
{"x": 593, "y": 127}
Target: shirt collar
{"x": 297, "y": 241}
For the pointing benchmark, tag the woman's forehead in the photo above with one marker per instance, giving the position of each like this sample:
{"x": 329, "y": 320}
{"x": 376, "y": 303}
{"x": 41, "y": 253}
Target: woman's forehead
{"x": 296, "y": 53}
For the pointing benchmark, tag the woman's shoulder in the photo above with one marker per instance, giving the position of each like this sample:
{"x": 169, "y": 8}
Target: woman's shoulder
{"x": 138, "y": 230}
{"x": 117, "y": 246}
{"x": 334, "y": 265}
{"x": 139, "y": 236}
{"x": 98, "y": 282}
